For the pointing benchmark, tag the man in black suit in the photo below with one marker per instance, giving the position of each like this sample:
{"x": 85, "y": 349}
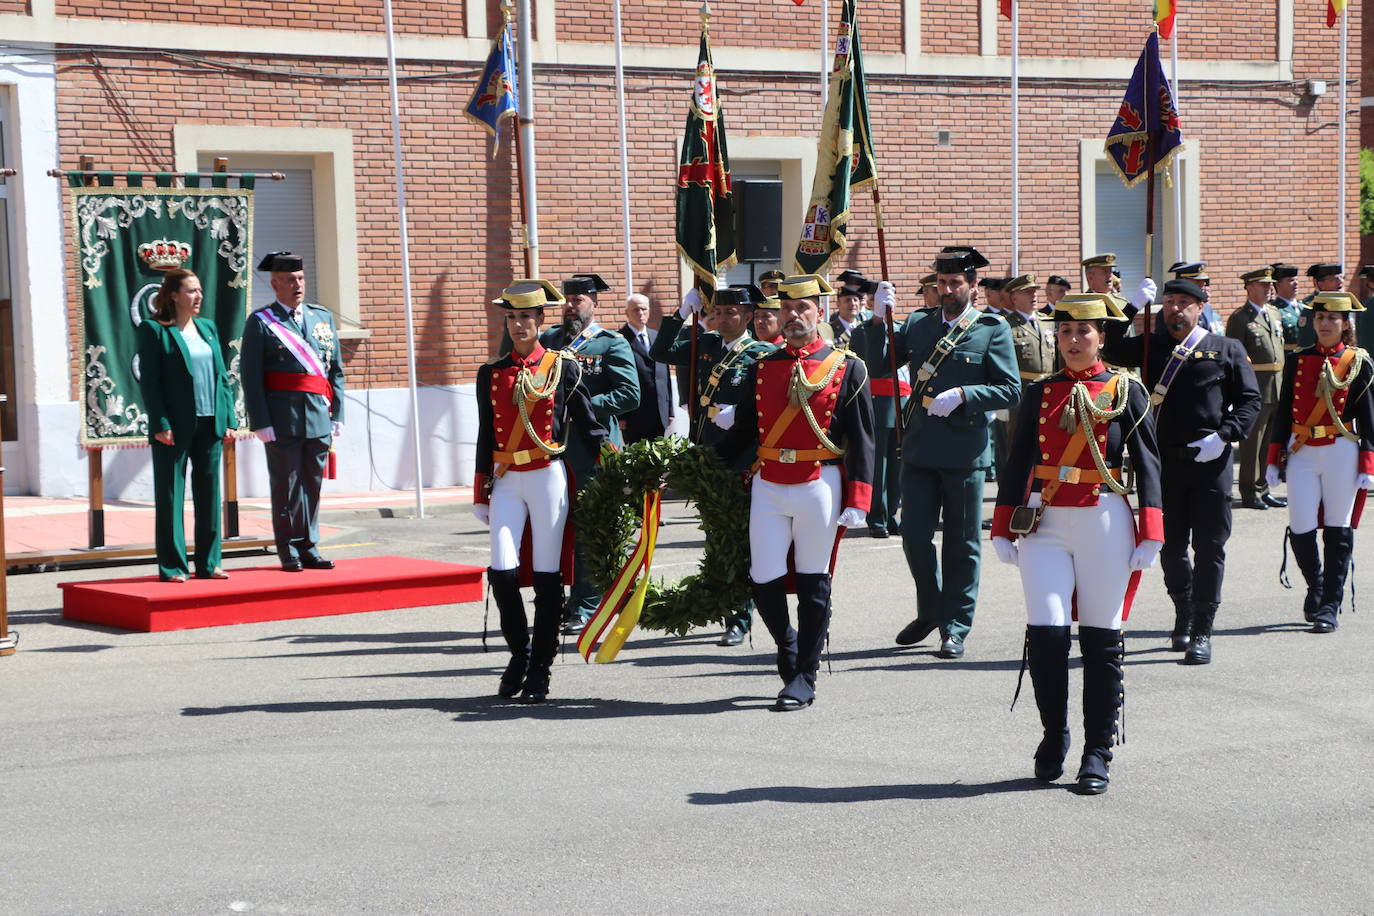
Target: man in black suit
{"x": 655, "y": 411}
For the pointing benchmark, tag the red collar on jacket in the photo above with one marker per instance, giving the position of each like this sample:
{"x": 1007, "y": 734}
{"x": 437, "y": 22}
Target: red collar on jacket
{"x": 1332, "y": 351}
{"x": 528, "y": 362}
{"x": 1091, "y": 372}
{"x": 807, "y": 350}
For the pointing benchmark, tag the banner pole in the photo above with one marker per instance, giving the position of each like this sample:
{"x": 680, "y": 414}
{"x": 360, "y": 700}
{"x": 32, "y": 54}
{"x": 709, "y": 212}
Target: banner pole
{"x": 405, "y": 259}
{"x": 1149, "y": 247}
{"x": 1015, "y": 139}
{"x": 1175, "y": 165}
{"x": 530, "y": 173}
{"x": 624, "y": 154}
{"x": 1341, "y": 154}
{"x": 825, "y": 54}
{"x": 891, "y": 332}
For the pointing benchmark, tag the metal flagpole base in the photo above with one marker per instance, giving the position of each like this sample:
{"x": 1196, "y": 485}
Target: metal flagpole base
{"x": 9, "y": 643}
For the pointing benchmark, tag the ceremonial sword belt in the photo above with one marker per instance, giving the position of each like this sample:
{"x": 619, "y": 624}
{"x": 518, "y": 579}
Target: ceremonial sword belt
{"x": 728, "y": 362}
{"x": 943, "y": 347}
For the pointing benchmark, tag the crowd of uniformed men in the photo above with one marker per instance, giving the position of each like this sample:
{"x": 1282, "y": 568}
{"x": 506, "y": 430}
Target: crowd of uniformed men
{"x": 843, "y": 415}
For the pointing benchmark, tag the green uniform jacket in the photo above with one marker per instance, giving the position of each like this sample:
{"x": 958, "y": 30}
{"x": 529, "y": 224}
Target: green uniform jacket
{"x": 1290, "y": 312}
{"x": 1262, "y": 338}
{"x": 612, "y": 384}
{"x": 169, "y": 394}
{"x": 983, "y": 365}
{"x": 292, "y": 414}
{"x": 673, "y": 346}
{"x": 876, "y": 361}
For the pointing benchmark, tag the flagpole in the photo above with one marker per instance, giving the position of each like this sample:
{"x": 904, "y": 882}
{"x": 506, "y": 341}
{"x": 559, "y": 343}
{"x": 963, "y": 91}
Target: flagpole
{"x": 891, "y": 331}
{"x": 692, "y": 407}
{"x": 507, "y": 6}
{"x": 1175, "y": 166}
{"x": 825, "y": 54}
{"x": 1015, "y": 140}
{"x": 405, "y": 260}
{"x": 1340, "y": 171}
{"x": 624, "y": 154}
{"x": 529, "y": 171}
{"x": 1150, "y": 135}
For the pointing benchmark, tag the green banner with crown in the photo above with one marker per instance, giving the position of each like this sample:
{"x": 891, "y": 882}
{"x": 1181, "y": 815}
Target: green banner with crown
{"x": 124, "y": 239}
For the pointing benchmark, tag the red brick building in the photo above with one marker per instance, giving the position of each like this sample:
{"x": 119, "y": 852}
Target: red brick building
{"x": 302, "y": 88}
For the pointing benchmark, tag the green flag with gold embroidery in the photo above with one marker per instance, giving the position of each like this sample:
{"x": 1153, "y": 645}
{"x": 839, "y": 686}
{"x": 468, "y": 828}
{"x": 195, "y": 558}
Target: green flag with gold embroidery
{"x": 705, "y": 203}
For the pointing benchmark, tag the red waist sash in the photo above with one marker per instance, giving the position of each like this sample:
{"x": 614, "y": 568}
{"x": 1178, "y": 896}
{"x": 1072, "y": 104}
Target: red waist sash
{"x": 298, "y": 381}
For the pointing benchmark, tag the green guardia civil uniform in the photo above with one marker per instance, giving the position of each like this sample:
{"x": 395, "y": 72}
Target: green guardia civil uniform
{"x": 944, "y": 459}
{"x": 721, "y": 373}
{"x": 612, "y": 382}
{"x": 186, "y": 390}
{"x": 887, "y": 478}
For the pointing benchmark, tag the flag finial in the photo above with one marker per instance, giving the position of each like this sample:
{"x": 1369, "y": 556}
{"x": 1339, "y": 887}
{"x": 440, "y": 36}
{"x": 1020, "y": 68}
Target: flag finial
{"x": 507, "y": 10}
{"x": 705, "y": 15}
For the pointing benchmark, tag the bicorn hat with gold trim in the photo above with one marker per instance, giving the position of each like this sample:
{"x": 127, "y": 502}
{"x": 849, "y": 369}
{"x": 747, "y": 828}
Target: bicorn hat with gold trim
{"x": 804, "y": 286}
{"x": 1086, "y": 307}
{"x": 1335, "y": 301}
{"x": 529, "y": 294}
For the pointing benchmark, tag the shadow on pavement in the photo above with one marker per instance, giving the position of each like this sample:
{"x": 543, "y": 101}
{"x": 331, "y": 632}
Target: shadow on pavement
{"x": 820, "y": 795}
{"x": 492, "y": 708}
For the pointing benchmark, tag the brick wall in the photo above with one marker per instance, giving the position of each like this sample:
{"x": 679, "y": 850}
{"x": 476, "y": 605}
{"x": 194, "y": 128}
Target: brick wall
{"x": 411, "y": 16}
{"x": 950, "y": 27}
{"x": 1233, "y": 30}
{"x": 15, "y": 7}
{"x": 1268, "y": 173}
{"x": 744, "y": 23}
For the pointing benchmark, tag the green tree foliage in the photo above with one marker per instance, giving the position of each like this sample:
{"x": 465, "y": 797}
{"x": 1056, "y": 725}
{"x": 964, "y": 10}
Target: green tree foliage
{"x": 1366, "y": 191}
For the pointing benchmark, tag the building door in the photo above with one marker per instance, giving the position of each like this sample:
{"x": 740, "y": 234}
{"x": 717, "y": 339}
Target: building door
{"x": 9, "y": 411}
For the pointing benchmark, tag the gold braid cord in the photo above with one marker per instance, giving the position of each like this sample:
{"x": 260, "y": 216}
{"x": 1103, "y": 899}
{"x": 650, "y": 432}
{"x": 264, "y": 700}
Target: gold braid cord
{"x": 799, "y": 394}
{"x": 527, "y": 391}
{"x": 1327, "y": 383}
{"x": 1086, "y": 413}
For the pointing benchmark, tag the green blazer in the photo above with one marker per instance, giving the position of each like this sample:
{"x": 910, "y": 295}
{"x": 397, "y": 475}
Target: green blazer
{"x": 983, "y": 364}
{"x": 164, "y": 375}
{"x": 612, "y": 384}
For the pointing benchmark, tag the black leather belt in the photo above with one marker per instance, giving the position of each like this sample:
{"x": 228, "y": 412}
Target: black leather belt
{"x": 1174, "y": 453}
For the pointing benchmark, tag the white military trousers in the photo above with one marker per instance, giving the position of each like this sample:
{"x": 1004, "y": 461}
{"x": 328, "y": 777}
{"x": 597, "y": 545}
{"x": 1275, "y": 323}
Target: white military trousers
{"x": 1079, "y": 549}
{"x": 1322, "y": 477}
{"x": 541, "y": 496}
{"x": 803, "y": 516}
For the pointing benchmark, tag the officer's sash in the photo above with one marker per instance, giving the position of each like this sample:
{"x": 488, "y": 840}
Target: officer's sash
{"x": 1180, "y": 356}
{"x": 304, "y": 353}
{"x": 577, "y": 343}
{"x": 943, "y": 347}
{"x": 722, "y": 366}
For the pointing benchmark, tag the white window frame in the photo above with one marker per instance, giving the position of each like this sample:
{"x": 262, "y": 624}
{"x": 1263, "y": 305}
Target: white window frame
{"x": 335, "y": 277}
{"x": 1187, "y": 170}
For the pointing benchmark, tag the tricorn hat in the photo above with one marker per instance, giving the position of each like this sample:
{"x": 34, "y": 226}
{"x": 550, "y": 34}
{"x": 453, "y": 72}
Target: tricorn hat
{"x": 1317, "y": 271}
{"x": 1282, "y": 271}
{"x": 281, "y": 262}
{"x": 957, "y": 259}
{"x": 1056, "y": 280}
{"x": 742, "y": 294}
{"x": 584, "y": 285}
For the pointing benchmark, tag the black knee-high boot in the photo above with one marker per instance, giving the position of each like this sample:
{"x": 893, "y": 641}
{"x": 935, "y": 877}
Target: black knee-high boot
{"x": 1103, "y": 695}
{"x": 548, "y": 610}
{"x": 1337, "y": 544}
{"x": 813, "y": 622}
{"x": 1310, "y": 564}
{"x": 505, "y": 591}
{"x": 1047, "y": 653}
{"x": 771, "y": 600}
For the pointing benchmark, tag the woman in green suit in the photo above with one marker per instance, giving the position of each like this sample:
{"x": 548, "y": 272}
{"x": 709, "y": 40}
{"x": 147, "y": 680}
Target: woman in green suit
{"x": 186, "y": 392}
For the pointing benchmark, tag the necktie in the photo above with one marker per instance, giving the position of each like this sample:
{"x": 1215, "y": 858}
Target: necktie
{"x": 644, "y": 339}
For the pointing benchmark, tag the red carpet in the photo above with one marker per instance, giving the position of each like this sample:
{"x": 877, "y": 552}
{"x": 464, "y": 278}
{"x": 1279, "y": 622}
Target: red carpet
{"x": 266, "y": 593}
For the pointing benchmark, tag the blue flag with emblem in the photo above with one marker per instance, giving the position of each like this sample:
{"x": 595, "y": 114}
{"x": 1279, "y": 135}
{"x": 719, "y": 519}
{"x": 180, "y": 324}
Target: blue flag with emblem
{"x": 495, "y": 97}
{"x": 1147, "y": 118}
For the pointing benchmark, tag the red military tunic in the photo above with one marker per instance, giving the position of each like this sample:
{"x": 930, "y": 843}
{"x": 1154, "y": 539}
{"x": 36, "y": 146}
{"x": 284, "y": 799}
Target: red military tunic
{"x": 1034, "y": 457}
{"x": 1298, "y": 398}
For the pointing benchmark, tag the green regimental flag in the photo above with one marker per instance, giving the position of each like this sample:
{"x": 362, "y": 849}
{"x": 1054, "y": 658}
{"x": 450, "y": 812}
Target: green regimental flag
{"x": 119, "y": 234}
{"x": 844, "y": 154}
{"x": 705, "y": 205}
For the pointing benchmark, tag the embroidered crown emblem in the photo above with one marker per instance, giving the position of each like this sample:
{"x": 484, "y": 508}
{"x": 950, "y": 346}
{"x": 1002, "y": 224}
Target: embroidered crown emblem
{"x": 164, "y": 254}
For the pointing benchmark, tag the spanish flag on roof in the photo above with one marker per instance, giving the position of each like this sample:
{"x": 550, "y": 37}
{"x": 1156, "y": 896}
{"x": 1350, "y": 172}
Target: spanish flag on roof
{"x": 1334, "y": 8}
{"x": 1164, "y": 16}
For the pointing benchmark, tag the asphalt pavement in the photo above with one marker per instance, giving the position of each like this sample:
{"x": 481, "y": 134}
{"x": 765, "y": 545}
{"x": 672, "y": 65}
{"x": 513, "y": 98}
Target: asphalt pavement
{"x": 362, "y": 764}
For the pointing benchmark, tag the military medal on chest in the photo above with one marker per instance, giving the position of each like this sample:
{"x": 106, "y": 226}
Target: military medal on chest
{"x": 324, "y": 340}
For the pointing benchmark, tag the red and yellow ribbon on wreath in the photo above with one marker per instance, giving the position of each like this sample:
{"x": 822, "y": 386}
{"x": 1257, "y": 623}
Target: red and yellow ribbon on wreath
{"x": 619, "y": 599}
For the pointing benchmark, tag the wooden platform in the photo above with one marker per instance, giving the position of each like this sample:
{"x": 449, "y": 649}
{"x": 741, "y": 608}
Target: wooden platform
{"x": 267, "y": 593}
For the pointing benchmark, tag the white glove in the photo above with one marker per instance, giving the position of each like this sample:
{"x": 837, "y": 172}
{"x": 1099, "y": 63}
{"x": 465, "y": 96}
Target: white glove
{"x": 690, "y": 303}
{"x": 1209, "y": 448}
{"x": 1144, "y": 293}
{"x": 1271, "y": 476}
{"x": 482, "y": 512}
{"x": 725, "y": 416}
{"x": 884, "y": 300}
{"x": 1007, "y": 551}
{"x": 945, "y": 402}
{"x": 266, "y": 434}
{"x": 1364, "y": 482}
{"x": 335, "y": 428}
{"x": 1145, "y": 554}
{"x": 852, "y": 518}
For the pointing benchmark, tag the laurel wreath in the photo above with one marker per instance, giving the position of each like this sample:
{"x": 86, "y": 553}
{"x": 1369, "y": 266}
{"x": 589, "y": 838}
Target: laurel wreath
{"x": 608, "y": 517}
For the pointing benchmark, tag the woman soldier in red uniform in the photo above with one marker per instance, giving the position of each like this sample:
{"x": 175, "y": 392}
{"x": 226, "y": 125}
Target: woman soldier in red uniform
{"x": 1062, "y": 517}
{"x": 526, "y": 401}
{"x": 1325, "y": 421}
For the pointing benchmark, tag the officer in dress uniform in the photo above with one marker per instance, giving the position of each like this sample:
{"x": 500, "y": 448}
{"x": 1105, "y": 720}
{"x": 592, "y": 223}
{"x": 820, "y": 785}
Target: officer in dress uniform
{"x": 723, "y": 360}
{"x": 887, "y": 469}
{"x": 1063, "y": 518}
{"x": 1259, "y": 328}
{"x": 1056, "y": 288}
{"x": 1035, "y": 352}
{"x": 807, "y": 419}
{"x": 766, "y": 326}
{"x": 1325, "y": 424}
{"x": 1197, "y": 272}
{"x": 962, "y": 366}
{"x": 1098, "y": 277}
{"x": 850, "y": 311}
{"x": 768, "y": 283}
{"x": 1327, "y": 277}
{"x": 1205, "y": 398}
{"x": 1286, "y": 301}
{"x": 612, "y": 383}
{"x": 293, "y": 387}
{"x": 530, "y": 402}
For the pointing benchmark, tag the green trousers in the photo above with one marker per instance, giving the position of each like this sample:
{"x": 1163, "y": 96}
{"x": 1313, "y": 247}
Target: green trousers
{"x": 169, "y": 500}
{"x": 946, "y": 591}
